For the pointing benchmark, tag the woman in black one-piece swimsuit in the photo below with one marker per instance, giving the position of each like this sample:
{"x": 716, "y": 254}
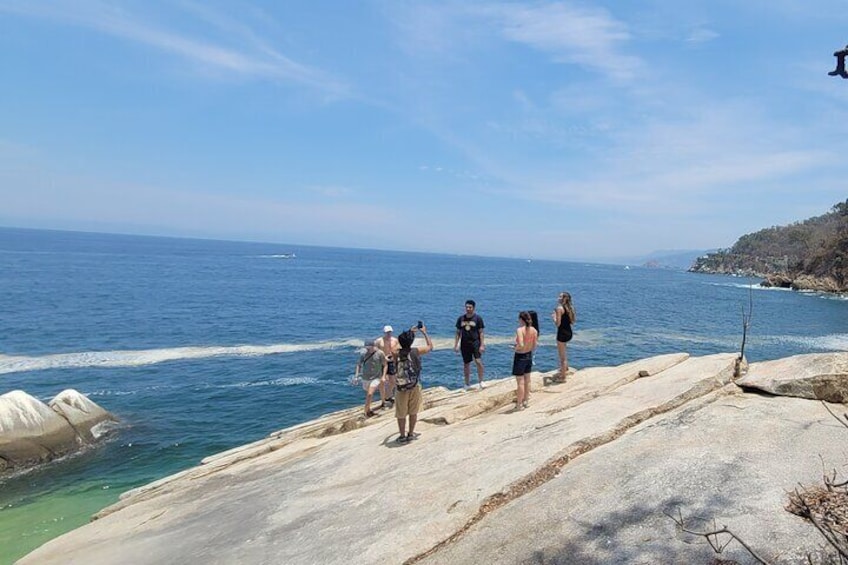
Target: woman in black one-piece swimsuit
{"x": 564, "y": 317}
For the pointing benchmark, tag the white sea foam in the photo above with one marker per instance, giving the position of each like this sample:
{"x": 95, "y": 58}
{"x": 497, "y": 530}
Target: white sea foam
{"x": 286, "y": 381}
{"x": 751, "y": 286}
{"x": 124, "y": 358}
{"x": 831, "y": 342}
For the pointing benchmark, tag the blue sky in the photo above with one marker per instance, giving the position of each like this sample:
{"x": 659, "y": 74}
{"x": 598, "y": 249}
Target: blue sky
{"x": 564, "y": 130}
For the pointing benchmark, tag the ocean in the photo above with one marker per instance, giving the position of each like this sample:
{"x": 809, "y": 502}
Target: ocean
{"x": 199, "y": 346}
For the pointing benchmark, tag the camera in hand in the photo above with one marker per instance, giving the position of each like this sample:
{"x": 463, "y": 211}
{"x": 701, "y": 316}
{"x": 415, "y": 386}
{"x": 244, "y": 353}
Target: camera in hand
{"x": 420, "y": 324}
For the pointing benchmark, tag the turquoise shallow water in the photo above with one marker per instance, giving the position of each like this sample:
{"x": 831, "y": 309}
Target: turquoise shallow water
{"x": 199, "y": 346}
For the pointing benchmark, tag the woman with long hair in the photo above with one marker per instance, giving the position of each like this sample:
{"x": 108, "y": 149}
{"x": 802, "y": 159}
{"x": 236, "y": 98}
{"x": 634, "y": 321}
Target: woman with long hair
{"x": 526, "y": 338}
{"x": 564, "y": 317}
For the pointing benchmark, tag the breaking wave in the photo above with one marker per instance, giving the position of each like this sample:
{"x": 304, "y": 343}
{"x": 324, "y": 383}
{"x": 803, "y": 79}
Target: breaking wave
{"x": 830, "y": 342}
{"x": 128, "y": 358}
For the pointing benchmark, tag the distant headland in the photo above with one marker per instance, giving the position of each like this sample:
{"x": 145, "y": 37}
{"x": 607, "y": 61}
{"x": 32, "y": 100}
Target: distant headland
{"x": 807, "y": 255}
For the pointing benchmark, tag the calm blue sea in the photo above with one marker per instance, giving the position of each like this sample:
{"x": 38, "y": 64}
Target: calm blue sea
{"x": 199, "y": 346}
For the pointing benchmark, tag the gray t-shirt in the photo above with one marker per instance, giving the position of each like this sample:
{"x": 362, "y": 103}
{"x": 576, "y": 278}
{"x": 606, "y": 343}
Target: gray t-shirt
{"x": 372, "y": 365}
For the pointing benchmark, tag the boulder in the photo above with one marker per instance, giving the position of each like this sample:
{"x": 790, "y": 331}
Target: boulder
{"x": 81, "y": 413}
{"x": 31, "y": 432}
{"x": 821, "y": 284}
{"x": 777, "y": 281}
{"x": 819, "y": 376}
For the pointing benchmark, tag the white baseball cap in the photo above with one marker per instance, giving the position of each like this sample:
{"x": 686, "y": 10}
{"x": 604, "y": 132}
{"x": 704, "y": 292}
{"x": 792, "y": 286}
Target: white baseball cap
{"x": 387, "y": 329}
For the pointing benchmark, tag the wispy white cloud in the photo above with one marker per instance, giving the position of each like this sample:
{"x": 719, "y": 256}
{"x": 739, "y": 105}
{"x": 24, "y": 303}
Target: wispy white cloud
{"x": 587, "y": 36}
{"x": 701, "y": 35}
{"x": 676, "y": 161}
{"x": 566, "y": 32}
{"x": 253, "y": 59}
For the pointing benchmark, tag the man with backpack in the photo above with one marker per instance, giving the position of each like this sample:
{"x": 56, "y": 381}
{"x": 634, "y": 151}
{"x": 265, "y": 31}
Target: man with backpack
{"x": 408, "y": 395}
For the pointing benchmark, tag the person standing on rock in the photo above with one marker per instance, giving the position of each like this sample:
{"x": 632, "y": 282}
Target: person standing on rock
{"x": 372, "y": 366}
{"x": 470, "y": 342}
{"x": 526, "y": 338}
{"x": 388, "y": 344}
{"x": 564, "y": 317}
{"x": 408, "y": 399}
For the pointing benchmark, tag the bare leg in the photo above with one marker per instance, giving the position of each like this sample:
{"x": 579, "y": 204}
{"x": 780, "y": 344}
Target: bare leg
{"x": 526, "y": 379}
{"x": 479, "y": 363}
{"x": 466, "y": 372}
{"x": 519, "y": 392}
{"x": 368, "y": 396}
{"x": 413, "y": 418}
{"x": 390, "y": 386}
{"x": 402, "y": 426}
{"x": 563, "y": 359}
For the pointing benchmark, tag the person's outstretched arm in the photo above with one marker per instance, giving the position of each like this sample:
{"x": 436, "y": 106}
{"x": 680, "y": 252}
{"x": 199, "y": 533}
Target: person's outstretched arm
{"x": 429, "y": 347}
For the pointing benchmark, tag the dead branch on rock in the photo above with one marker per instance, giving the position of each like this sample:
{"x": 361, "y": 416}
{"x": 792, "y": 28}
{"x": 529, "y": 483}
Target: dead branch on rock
{"x": 714, "y": 537}
{"x": 827, "y": 510}
{"x": 838, "y": 419}
{"x": 826, "y": 507}
{"x": 746, "y": 323}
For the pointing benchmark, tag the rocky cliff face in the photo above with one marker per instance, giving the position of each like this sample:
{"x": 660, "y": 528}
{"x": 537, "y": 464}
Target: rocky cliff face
{"x": 808, "y": 255}
{"x": 32, "y": 433}
{"x": 592, "y": 472}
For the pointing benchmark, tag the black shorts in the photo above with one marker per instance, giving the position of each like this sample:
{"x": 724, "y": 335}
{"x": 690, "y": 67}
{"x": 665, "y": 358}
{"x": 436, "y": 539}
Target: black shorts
{"x": 564, "y": 334}
{"x": 522, "y": 364}
{"x": 469, "y": 352}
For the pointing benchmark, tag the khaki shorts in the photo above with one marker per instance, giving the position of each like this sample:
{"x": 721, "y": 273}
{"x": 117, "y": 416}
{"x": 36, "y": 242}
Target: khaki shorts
{"x": 407, "y": 402}
{"x": 370, "y": 386}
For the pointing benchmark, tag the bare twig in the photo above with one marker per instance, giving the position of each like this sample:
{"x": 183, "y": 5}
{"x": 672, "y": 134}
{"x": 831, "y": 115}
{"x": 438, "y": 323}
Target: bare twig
{"x": 836, "y": 539}
{"x": 712, "y": 537}
{"x": 746, "y": 323}
{"x": 838, "y": 419}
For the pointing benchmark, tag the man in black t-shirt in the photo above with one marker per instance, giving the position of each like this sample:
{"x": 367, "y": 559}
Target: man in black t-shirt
{"x": 469, "y": 340}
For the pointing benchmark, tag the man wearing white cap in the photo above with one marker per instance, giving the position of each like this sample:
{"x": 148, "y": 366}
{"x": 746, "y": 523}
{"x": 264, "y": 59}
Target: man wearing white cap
{"x": 389, "y": 345}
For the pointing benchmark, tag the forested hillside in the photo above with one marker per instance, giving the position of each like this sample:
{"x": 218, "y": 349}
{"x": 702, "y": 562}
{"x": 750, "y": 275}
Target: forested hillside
{"x": 812, "y": 254}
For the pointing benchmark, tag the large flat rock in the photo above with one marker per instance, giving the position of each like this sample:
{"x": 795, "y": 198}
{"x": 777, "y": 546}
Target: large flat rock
{"x": 586, "y": 475}
{"x": 729, "y": 457}
{"x": 819, "y": 376}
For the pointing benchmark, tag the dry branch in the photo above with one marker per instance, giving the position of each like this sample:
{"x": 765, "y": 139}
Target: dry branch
{"x": 712, "y": 537}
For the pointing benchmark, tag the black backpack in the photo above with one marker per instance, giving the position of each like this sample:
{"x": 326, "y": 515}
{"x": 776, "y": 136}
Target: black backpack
{"x": 409, "y": 369}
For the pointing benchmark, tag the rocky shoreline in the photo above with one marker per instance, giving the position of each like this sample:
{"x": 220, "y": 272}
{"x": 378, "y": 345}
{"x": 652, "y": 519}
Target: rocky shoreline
{"x": 590, "y": 473}
{"x": 801, "y": 282}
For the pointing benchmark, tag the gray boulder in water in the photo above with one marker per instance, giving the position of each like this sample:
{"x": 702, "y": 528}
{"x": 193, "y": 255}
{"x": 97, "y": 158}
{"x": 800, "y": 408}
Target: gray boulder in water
{"x": 31, "y": 432}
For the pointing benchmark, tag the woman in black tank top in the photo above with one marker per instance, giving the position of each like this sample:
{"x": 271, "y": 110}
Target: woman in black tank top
{"x": 564, "y": 317}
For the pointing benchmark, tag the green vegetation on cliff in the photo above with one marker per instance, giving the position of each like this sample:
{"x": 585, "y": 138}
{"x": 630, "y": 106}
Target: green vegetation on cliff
{"x": 812, "y": 250}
